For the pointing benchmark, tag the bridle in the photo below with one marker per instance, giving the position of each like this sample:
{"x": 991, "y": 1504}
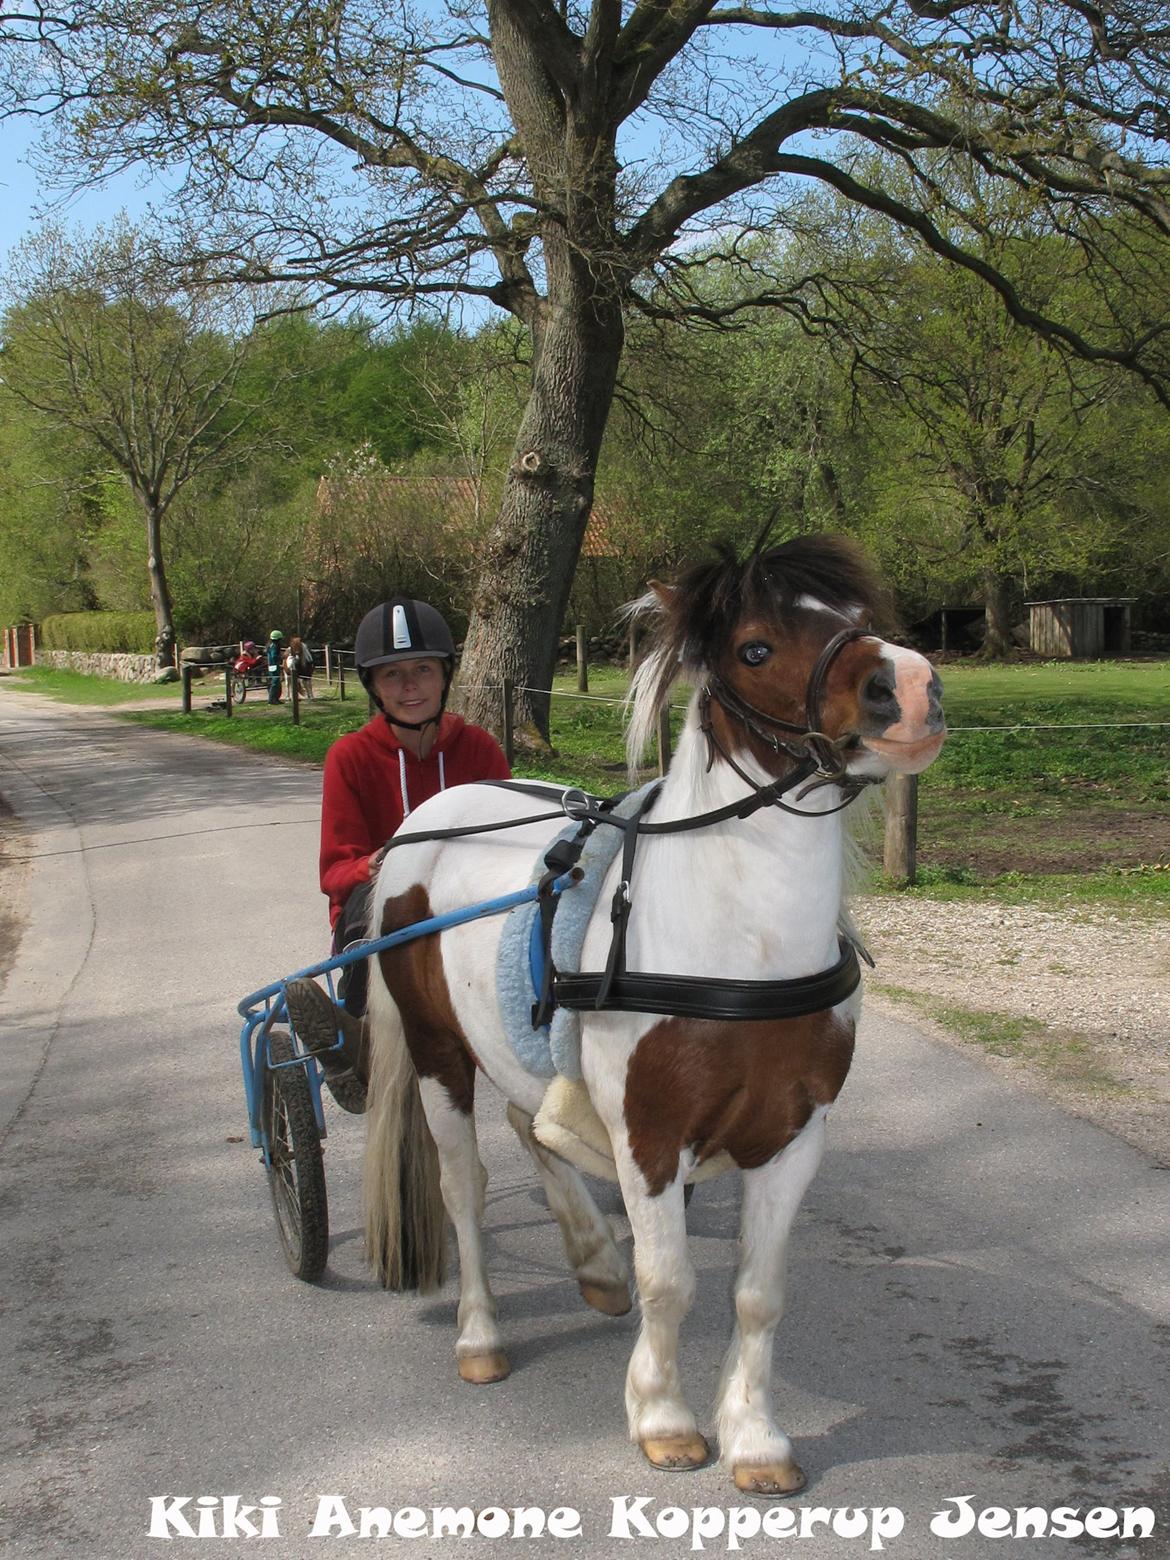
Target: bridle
{"x": 806, "y": 740}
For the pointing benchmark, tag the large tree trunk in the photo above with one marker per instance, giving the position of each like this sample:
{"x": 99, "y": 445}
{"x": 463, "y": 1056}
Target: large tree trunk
{"x": 160, "y": 595}
{"x": 531, "y": 553}
{"x": 997, "y": 599}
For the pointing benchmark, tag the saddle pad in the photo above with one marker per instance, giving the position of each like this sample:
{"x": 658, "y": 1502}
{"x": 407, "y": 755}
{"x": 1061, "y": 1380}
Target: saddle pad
{"x": 556, "y": 1047}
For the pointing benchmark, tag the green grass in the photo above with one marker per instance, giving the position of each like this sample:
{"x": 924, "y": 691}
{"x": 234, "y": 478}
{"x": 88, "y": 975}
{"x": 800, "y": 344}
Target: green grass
{"x": 1062, "y": 1056}
{"x": 77, "y": 688}
{"x": 267, "y": 728}
{"x": 1059, "y": 815}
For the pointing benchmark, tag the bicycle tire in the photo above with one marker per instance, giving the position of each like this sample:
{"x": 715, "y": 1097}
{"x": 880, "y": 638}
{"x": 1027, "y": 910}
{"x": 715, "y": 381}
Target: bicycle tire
{"x": 296, "y": 1171}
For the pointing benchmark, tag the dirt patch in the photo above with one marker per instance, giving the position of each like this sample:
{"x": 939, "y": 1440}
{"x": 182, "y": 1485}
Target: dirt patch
{"x": 1074, "y": 1002}
{"x": 1056, "y": 839}
{"x": 13, "y": 879}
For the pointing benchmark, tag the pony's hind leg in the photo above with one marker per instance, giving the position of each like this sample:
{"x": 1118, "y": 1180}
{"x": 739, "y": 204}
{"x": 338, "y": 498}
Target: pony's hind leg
{"x": 757, "y": 1452}
{"x": 463, "y": 1179}
{"x": 589, "y": 1243}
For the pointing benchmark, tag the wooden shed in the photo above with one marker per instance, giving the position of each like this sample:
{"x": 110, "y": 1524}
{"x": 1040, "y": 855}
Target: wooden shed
{"x": 1082, "y": 627}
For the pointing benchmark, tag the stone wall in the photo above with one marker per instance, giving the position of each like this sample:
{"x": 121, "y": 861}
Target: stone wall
{"x": 126, "y": 668}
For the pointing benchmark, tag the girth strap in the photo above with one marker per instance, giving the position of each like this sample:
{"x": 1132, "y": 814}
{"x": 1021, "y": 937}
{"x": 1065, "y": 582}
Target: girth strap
{"x": 691, "y": 996}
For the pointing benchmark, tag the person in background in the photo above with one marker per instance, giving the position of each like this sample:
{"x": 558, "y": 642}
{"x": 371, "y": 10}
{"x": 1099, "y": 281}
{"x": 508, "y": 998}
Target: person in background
{"x": 410, "y": 750}
{"x": 299, "y": 664}
{"x": 275, "y": 656}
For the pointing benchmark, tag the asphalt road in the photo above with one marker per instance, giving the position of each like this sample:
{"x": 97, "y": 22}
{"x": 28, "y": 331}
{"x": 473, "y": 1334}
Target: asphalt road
{"x": 979, "y": 1290}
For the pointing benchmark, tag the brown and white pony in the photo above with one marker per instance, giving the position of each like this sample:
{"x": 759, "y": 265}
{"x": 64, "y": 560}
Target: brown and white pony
{"x": 755, "y": 899}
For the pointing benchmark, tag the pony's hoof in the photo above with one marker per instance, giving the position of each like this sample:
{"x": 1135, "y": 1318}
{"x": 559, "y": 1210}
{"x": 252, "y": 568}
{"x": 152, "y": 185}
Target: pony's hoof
{"x": 480, "y": 1369}
{"x": 610, "y": 1300}
{"x": 675, "y": 1453}
{"x": 778, "y": 1478}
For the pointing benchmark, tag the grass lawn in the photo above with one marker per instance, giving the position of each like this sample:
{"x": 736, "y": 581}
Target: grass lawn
{"x": 1049, "y": 811}
{"x": 1056, "y": 797}
{"x": 77, "y": 688}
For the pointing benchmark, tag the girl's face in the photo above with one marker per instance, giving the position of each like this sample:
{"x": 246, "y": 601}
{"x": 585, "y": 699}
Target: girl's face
{"x": 410, "y": 691}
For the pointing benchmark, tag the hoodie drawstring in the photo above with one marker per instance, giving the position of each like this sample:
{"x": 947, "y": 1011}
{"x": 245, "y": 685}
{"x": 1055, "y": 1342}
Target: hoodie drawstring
{"x": 402, "y": 780}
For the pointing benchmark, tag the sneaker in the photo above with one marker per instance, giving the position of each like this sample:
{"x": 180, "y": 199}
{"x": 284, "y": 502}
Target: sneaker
{"x": 320, "y": 1025}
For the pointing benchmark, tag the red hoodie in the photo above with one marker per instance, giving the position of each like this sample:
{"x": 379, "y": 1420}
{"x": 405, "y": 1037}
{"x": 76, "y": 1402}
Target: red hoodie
{"x": 372, "y": 782}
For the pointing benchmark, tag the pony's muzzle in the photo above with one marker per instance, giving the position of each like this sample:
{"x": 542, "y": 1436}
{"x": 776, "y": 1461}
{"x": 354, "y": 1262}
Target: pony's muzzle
{"x": 901, "y": 706}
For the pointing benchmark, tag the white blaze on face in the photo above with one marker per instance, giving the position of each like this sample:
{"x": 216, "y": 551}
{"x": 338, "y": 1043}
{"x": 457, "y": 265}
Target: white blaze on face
{"x": 852, "y": 615}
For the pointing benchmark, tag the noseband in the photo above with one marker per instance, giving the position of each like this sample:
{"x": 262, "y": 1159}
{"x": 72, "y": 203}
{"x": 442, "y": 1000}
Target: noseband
{"x": 826, "y": 750}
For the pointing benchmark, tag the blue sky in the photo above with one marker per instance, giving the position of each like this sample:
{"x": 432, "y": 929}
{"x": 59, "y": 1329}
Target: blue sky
{"x": 21, "y": 193}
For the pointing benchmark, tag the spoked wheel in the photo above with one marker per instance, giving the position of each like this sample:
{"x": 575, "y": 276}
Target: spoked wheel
{"x": 296, "y": 1176}
{"x": 239, "y": 690}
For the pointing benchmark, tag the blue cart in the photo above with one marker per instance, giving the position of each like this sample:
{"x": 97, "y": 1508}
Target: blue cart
{"x": 282, "y": 1084}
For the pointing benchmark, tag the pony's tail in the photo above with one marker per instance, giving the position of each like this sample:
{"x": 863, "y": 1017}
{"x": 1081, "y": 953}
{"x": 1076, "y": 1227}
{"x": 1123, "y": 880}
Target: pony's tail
{"x": 405, "y": 1220}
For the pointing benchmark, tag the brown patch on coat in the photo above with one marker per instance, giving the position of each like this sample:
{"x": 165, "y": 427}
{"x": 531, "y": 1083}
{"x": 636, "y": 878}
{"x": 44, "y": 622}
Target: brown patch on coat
{"x": 747, "y": 1087}
{"x": 417, "y": 981}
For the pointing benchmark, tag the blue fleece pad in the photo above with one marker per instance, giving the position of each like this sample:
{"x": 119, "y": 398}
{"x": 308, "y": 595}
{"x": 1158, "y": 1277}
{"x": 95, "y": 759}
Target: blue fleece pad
{"x": 556, "y": 1047}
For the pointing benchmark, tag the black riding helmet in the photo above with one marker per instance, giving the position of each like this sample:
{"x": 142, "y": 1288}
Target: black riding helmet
{"x": 402, "y": 629}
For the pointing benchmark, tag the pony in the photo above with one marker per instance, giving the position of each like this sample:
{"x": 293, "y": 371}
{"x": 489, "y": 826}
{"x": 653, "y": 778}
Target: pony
{"x": 797, "y": 703}
{"x": 298, "y": 667}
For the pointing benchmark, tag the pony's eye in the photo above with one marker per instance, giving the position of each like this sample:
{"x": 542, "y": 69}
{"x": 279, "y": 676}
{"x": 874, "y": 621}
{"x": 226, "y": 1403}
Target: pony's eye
{"x": 755, "y": 652}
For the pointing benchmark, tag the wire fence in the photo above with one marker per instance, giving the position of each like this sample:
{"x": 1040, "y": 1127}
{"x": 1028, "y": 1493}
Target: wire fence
{"x": 1064, "y": 794}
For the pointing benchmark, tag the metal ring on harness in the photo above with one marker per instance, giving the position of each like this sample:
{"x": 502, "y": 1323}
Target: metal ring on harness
{"x": 577, "y": 805}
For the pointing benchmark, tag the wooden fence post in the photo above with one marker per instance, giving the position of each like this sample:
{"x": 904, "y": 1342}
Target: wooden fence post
{"x": 329, "y": 665}
{"x": 185, "y": 674}
{"x": 227, "y": 689}
{"x": 664, "y": 747}
{"x": 340, "y": 677}
{"x": 509, "y": 694}
{"x": 582, "y": 660}
{"x": 900, "y": 857}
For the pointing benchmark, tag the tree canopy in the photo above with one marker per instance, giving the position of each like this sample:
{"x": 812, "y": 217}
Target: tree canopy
{"x": 575, "y": 165}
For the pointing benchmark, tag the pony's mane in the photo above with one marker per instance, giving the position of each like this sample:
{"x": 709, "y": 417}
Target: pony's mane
{"x": 694, "y": 618}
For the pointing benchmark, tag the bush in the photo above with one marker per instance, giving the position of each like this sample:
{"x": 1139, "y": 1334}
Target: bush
{"x": 108, "y": 632}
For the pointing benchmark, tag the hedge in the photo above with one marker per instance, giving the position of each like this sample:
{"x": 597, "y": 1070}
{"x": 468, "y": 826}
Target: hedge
{"x": 129, "y": 632}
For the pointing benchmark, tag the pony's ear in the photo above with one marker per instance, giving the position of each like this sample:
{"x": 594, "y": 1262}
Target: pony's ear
{"x": 666, "y": 593}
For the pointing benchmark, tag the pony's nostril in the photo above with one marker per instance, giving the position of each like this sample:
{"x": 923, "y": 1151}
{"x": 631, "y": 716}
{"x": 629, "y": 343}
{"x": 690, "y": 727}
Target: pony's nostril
{"x": 878, "y": 692}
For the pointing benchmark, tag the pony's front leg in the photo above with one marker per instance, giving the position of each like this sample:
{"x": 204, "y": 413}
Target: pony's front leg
{"x": 463, "y": 1179}
{"x": 757, "y": 1452}
{"x": 659, "y": 1419}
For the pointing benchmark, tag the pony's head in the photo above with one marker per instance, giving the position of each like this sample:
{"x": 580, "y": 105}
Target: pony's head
{"x": 786, "y": 651}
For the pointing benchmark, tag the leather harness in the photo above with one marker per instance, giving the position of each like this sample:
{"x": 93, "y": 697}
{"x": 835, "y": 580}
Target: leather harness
{"x": 616, "y": 989}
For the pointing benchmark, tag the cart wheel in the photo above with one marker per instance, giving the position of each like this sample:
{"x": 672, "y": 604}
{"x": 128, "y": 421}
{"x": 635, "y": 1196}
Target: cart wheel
{"x": 296, "y": 1176}
{"x": 239, "y": 690}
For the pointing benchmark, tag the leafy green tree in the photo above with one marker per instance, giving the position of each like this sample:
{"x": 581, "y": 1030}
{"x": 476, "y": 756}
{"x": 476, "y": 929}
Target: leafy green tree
{"x": 99, "y": 339}
{"x": 562, "y": 162}
{"x": 46, "y": 514}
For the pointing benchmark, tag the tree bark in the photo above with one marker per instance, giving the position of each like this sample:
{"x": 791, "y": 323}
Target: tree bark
{"x": 531, "y": 553}
{"x": 160, "y": 595}
{"x": 997, "y": 598}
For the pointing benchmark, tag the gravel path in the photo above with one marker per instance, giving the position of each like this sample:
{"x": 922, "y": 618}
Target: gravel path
{"x": 1080, "y": 998}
